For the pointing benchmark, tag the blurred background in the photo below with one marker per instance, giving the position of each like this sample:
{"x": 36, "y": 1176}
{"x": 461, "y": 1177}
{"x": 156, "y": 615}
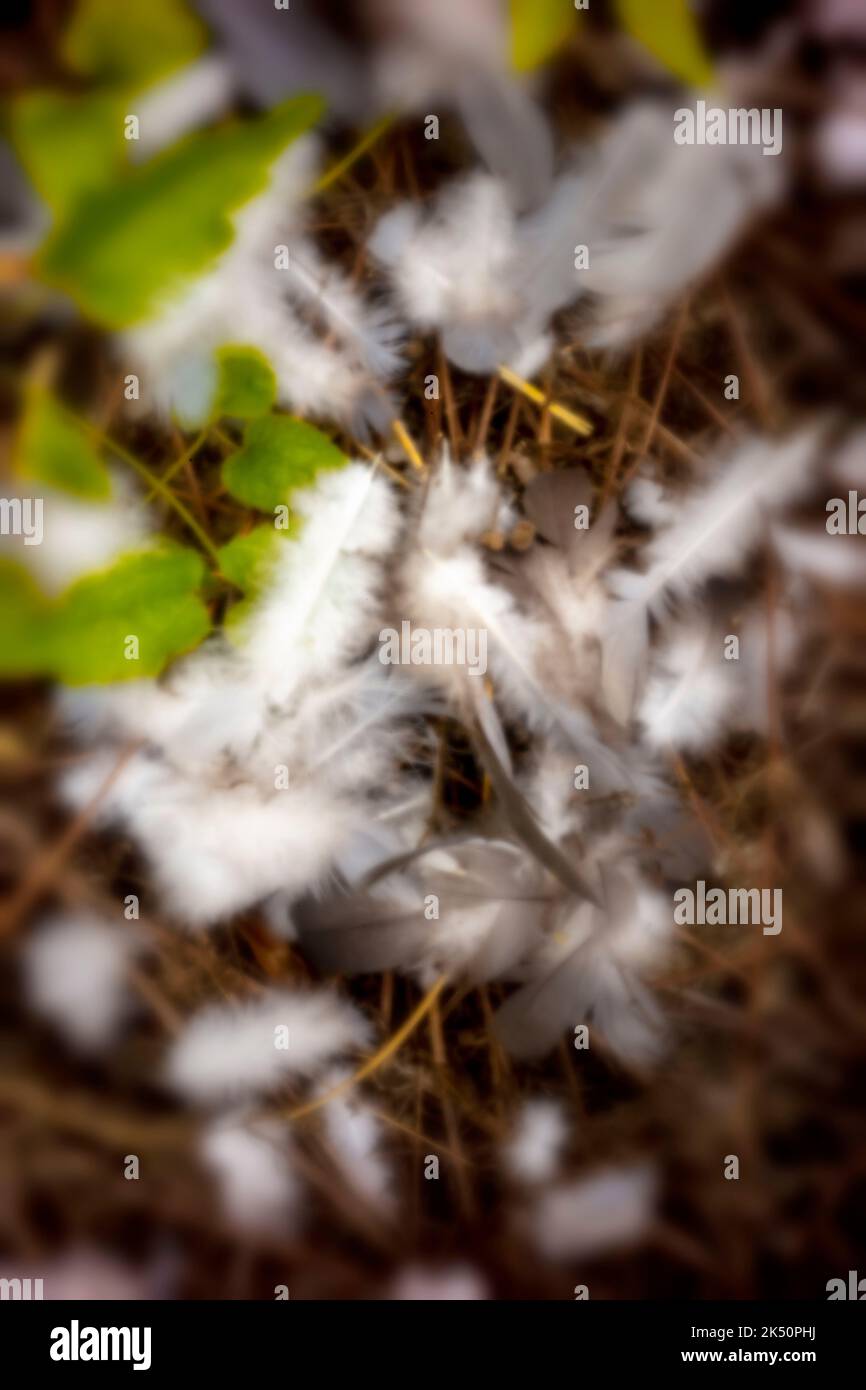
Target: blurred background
{"x": 570, "y": 1170}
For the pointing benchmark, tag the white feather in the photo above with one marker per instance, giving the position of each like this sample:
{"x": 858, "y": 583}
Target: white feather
{"x": 75, "y": 976}
{"x": 649, "y": 503}
{"x": 665, "y": 214}
{"x": 722, "y": 521}
{"x": 252, "y": 1164}
{"x": 533, "y": 1152}
{"x": 716, "y": 529}
{"x": 354, "y": 1138}
{"x": 653, "y": 215}
{"x": 455, "y": 270}
{"x": 606, "y": 1212}
{"x": 321, "y": 600}
{"x": 691, "y": 693}
{"x": 456, "y": 1283}
{"x": 79, "y": 536}
{"x": 180, "y": 103}
{"x": 817, "y": 555}
{"x": 231, "y": 1052}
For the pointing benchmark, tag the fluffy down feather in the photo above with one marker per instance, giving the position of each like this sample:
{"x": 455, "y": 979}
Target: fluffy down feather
{"x": 715, "y": 530}
{"x": 354, "y": 1137}
{"x": 228, "y": 1053}
{"x": 654, "y": 216}
{"x": 75, "y": 976}
{"x": 533, "y": 1152}
{"x": 458, "y": 1283}
{"x": 612, "y": 1209}
{"x": 252, "y": 1165}
{"x": 214, "y": 850}
{"x": 692, "y": 692}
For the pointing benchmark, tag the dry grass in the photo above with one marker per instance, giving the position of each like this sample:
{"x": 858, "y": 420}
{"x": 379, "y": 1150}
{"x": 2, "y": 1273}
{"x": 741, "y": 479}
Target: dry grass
{"x": 770, "y": 1050}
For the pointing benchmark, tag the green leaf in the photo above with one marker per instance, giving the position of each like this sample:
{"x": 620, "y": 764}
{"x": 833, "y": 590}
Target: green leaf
{"x": 127, "y": 246}
{"x": 25, "y": 616}
{"x": 137, "y": 42}
{"x": 68, "y": 145}
{"x": 247, "y": 560}
{"x": 246, "y": 386}
{"x": 71, "y": 143}
{"x": 81, "y": 637}
{"x": 279, "y": 453}
{"x": 668, "y": 29}
{"x": 53, "y": 449}
{"x": 149, "y": 595}
{"x": 538, "y": 27}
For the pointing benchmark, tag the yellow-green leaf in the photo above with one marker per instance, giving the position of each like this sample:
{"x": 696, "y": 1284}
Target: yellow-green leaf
{"x": 249, "y": 561}
{"x": 137, "y": 41}
{"x": 279, "y": 453}
{"x": 53, "y": 449}
{"x": 68, "y": 144}
{"x": 669, "y": 30}
{"x": 25, "y": 616}
{"x": 83, "y": 637}
{"x": 127, "y": 246}
{"x": 538, "y": 27}
{"x": 246, "y": 385}
{"x": 150, "y": 596}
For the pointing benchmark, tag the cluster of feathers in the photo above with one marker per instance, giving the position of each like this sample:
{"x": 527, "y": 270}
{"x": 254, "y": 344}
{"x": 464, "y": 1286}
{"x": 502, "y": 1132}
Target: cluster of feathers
{"x": 285, "y": 767}
{"x": 596, "y": 658}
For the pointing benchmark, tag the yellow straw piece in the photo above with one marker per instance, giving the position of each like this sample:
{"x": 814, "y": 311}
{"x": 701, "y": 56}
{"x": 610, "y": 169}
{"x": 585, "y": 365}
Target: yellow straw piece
{"x": 405, "y": 441}
{"x": 578, "y": 423}
{"x": 384, "y": 1053}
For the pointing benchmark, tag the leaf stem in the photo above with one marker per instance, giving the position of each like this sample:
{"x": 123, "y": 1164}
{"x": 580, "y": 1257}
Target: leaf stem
{"x": 337, "y": 170}
{"x": 184, "y": 458}
{"x": 156, "y": 484}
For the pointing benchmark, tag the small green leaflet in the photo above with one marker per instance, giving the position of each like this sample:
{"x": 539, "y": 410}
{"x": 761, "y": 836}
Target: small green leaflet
{"x": 125, "y": 247}
{"x": 246, "y": 385}
{"x": 81, "y": 637}
{"x": 236, "y": 382}
{"x": 279, "y": 453}
{"x": 668, "y": 29}
{"x": 247, "y": 560}
{"x": 53, "y": 449}
{"x": 538, "y": 27}
{"x": 138, "y": 42}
